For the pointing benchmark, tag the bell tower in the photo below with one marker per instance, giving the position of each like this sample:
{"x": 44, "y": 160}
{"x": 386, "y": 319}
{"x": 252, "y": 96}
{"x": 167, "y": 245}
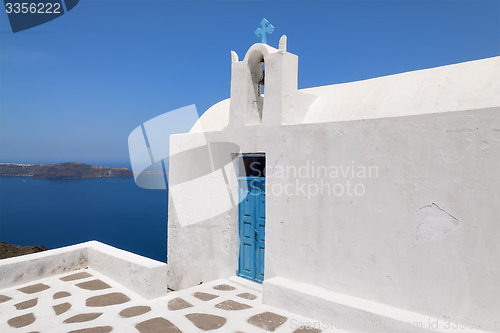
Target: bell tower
{"x": 264, "y": 87}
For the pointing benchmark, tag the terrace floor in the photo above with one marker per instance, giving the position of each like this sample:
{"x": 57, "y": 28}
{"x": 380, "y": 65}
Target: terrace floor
{"x": 86, "y": 301}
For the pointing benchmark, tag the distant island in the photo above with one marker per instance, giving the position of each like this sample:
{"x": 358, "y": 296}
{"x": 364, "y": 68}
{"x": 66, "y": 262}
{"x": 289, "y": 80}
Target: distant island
{"x": 71, "y": 170}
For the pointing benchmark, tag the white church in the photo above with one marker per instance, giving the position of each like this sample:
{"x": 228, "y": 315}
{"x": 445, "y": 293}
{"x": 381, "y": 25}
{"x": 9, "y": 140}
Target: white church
{"x": 363, "y": 203}
{"x": 370, "y": 206}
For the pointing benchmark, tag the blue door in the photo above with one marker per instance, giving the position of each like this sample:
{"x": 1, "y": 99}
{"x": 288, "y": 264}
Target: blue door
{"x": 252, "y": 221}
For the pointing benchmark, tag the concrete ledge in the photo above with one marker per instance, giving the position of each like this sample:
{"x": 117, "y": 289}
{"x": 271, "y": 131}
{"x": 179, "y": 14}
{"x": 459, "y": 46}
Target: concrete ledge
{"x": 141, "y": 275}
{"x": 145, "y": 276}
{"x": 32, "y": 267}
{"x": 335, "y": 310}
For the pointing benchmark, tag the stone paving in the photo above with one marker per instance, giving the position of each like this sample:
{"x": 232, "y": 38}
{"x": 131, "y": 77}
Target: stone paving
{"x": 88, "y": 302}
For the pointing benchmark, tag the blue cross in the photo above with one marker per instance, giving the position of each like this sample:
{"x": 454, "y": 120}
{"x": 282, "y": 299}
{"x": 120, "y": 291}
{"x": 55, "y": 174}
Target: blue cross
{"x": 265, "y": 28}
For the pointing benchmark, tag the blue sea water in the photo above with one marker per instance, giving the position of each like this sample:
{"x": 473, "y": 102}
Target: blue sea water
{"x": 57, "y": 213}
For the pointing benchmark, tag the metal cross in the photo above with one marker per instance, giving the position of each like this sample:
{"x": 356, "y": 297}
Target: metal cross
{"x": 265, "y": 28}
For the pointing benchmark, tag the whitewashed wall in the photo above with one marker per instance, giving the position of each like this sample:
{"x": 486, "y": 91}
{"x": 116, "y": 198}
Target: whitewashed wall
{"x": 424, "y": 236}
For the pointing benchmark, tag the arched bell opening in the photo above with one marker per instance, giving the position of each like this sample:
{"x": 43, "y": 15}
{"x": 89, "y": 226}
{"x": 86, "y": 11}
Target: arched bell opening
{"x": 256, "y": 66}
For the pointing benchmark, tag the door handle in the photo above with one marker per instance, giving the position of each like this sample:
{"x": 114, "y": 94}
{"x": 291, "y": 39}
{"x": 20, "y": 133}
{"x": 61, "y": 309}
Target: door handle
{"x": 256, "y": 235}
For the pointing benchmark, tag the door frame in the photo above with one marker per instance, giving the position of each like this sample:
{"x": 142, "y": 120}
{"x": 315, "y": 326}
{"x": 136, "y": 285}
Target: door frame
{"x": 259, "y": 239}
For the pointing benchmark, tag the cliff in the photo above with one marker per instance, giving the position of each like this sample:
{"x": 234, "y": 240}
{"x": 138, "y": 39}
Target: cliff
{"x": 11, "y": 250}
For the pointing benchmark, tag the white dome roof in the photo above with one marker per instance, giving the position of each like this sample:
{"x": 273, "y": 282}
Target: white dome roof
{"x": 458, "y": 87}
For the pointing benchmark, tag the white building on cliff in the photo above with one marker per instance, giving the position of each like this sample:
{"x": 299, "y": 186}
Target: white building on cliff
{"x": 359, "y": 203}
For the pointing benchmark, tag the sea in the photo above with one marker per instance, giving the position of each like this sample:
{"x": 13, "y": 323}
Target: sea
{"x": 57, "y": 213}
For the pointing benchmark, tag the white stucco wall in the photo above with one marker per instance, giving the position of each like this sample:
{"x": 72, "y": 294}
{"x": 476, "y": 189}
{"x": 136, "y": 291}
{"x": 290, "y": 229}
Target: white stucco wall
{"x": 422, "y": 237}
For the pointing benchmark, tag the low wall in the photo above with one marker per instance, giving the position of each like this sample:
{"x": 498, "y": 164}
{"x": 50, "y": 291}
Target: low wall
{"x": 339, "y": 311}
{"x": 32, "y": 267}
{"x": 144, "y": 276}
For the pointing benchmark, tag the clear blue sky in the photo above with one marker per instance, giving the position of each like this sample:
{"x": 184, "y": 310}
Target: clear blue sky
{"x": 74, "y": 88}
